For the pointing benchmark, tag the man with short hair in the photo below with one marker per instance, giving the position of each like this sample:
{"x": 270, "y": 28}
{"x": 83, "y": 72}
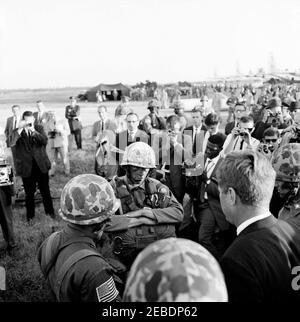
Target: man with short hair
{"x": 212, "y": 123}
{"x": 11, "y": 124}
{"x": 197, "y": 130}
{"x": 133, "y": 134}
{"x": 259, "y": 264}
{"x": 239, "y": 111}
{"x": 32, "y": 162}
{"x": 40, "y": 114}
{"x": 240, "y": 137}
{"x": 207, "y": 209}
{"x": 72, "y": 114}
{"x": 103, "y": 125}
{"x": 172, "y": 149}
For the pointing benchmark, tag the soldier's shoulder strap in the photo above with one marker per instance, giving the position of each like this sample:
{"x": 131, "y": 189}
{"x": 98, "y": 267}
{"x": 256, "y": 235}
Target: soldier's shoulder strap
{"x": 71, "y": 261}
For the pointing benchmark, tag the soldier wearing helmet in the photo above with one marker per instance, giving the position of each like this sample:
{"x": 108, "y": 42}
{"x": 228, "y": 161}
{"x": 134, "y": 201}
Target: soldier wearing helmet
{"x": 175, "y": 270}
{"x": 74, "y": 269}
{"x": 286, "y": 163}
{"x": 148, "y": 210}
{"x": 157, "y": 122}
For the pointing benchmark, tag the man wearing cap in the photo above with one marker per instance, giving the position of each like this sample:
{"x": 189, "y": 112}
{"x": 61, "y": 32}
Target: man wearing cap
{"x": 294, "y": 108}
{"x": 157, "y": 122}
{"x": 272, "y": 118}
{"x": 231, "y": 102}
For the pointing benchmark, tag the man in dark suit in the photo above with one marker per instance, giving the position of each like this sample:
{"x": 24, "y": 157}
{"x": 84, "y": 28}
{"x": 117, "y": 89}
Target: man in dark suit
{"x": 72, "y": 114}
{"x": 239, "y": 111}
{"x": 196, "y": 131}
{"x": 172, "y": 148}
{"x": 208, "y": 211}
{"x": 132, "y": 134}
{"x": 40, "y": 114}
{"x": 12, "y": 123}
{"x": 32, "y": 162}
{"x": 262, "y": 263}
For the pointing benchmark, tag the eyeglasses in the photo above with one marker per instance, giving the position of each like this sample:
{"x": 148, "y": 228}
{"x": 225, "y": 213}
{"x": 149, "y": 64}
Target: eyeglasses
{"x": 271, "y": 140}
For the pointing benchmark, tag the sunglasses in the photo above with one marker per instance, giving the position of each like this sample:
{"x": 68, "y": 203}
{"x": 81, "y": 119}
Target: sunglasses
{"x": 271, "y": 140}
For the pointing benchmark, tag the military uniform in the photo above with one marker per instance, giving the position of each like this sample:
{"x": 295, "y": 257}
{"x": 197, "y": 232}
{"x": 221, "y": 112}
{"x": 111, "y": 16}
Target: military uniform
{"x": 69, "y": 260}
{"x": 286, "y": 163}
{"x": 91, "y": 279}
{"x": 151, "y": 194}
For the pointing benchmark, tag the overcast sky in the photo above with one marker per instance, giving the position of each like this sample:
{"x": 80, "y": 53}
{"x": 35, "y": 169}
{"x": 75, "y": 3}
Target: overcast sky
{"x": 50, "y": 43}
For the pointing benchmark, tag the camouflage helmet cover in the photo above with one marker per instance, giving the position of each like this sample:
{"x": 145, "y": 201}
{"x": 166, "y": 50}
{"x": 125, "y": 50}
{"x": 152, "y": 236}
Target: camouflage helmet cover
{"x": 87, "y": 199}
{"x": 286, "y": 162}
{"x": 139, "y": 154}
{"x": 175, "y": 270}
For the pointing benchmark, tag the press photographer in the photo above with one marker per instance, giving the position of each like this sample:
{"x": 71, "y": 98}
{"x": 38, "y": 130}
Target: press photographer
{"x": 240, "y": 137}
{"x": 32, "y": 162}
{"x": 272, "y": 117}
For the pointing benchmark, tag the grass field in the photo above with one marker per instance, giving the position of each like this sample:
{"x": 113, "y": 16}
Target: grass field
{"x": 25, "y": 283}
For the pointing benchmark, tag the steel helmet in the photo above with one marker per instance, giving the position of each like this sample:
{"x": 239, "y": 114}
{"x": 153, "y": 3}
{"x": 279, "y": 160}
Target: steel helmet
{"x": 139, "y": 154}
{"x": 286, "y": 162}
{"x": 87, "y": 199}
{"x": 153, "y": 103}
{"x": 175, "y": 270}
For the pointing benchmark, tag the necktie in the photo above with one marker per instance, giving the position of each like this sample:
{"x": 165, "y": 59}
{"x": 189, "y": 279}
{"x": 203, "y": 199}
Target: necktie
{"x": 241, "y": 145}
{"x": 102, "y": 126}
{"x": 15, "y": 123}
{"x": 131, "y": 137}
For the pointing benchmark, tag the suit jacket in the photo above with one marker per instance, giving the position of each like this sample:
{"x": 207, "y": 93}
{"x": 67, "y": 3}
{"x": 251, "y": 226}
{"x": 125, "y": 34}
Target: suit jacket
{"x": 109, "y": 125}
{"x": 8, "y": 130}
{"x": 27, "y": 149}
{"x": 122, "y": 138}
{"x": 229, "y": 127}
{"x": 173, "y": 157}
{"x": 213, "y": 199}
{"x": 258, "y": 264}
{"x": 198, "y": 142}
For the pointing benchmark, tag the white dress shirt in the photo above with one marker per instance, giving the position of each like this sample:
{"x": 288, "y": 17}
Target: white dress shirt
{"x": 239, "y": 144}
{"x": 209, "y": 167}
{"x": 250, "y": 221}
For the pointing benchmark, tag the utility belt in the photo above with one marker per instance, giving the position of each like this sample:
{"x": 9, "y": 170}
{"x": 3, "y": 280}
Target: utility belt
{"x": 140, "y": 237}
{"x": 126, "y": 245}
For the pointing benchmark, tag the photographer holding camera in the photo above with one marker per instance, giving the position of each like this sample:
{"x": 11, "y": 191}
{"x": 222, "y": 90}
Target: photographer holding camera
{"x": 57, "y": 133}
{"x": 270, "y": 142}
{"x": 32, "y": 162}
{"x": 240, "y": 137}
{"x": 272, "y": 118}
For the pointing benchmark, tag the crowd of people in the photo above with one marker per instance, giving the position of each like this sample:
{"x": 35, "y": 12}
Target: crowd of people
{"x": 179, "y": 209}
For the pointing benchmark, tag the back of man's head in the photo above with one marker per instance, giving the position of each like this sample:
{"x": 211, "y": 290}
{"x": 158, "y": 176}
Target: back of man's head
{"x": 217, "y": 139}
{"x": 250, "y": 174}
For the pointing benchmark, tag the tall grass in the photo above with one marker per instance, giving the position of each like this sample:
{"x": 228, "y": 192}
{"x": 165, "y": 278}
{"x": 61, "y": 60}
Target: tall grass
{"x": 24, "y": 280}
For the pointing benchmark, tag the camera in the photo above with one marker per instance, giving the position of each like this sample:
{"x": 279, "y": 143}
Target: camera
{"x": 29, "y": 124}
{"x": 274, "y": 119}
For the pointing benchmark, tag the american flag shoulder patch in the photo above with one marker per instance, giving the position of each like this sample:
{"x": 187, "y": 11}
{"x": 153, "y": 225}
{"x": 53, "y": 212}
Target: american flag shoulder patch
{"x": 107, "y": 291}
